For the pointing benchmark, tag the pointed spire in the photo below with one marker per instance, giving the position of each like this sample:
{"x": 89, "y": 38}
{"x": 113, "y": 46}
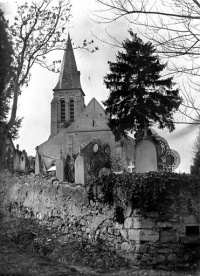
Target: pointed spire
{"x": 69, "y": 77}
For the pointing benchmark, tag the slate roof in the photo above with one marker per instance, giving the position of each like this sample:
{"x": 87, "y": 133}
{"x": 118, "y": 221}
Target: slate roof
{"x": 69, "y": 77}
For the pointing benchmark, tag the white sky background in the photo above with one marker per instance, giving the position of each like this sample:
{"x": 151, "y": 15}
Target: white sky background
{"x": 34, "y": 103}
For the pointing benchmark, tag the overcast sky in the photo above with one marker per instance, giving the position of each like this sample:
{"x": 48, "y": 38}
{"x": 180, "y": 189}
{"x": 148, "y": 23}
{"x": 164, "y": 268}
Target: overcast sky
{"x": 34, "y": 103}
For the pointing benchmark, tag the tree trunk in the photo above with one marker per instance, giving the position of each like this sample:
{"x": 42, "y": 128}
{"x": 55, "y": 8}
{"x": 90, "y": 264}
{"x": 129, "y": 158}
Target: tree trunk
{"x": 5, "y": 127}
{"x": 3, "y": 138}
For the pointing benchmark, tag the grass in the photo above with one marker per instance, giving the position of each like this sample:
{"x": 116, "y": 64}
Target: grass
{"x": 52, "y": 244}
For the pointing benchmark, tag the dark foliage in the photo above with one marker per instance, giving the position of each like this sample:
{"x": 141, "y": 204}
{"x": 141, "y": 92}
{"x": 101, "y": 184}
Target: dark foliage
{"x": 6, "y": 76}
{"x": 138, "y": 93}
{"x": 196, "y": 159}
{"x": 6, "y": 52}
{"x": 148, "y": 192}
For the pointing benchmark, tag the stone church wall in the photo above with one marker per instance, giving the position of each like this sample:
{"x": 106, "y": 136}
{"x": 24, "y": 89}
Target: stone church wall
{"x": 82, "y": 139}
{"x": 50, "y": 150}
{"x": 70, "y": 143}
{"x": 93, "y": 118}
{"x": 146, "y": 241}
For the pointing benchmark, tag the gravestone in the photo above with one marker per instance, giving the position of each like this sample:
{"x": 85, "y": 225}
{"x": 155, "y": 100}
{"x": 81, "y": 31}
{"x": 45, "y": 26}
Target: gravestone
{"x": 60, "y": 168}
{"x": 69, "y": 168}
{"x": 37, "y": 162}
{"x": 97, "y": 156}
{"x": 172, "y": 159}
{"x": 17, "y": 159}
{"x": 153, "y": 152}
{"x": 80, "y": 170}
{"x": 23, "y": 161}
{"x": 146, "y": 156}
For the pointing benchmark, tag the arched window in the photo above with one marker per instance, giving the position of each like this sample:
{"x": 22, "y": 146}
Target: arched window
{"x": 71, "y": 110}
{"x": 62, "y": 110}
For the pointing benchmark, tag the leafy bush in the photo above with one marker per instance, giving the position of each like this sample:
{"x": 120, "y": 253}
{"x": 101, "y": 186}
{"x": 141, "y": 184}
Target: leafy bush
{"x": 153, "y": 191}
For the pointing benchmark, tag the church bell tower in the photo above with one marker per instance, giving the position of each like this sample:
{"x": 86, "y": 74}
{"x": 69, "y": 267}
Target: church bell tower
{"x": 68, "y": 97}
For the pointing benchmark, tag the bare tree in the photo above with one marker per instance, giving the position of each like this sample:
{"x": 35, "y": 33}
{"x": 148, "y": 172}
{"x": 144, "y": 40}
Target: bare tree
{"x": 173, "y": 26}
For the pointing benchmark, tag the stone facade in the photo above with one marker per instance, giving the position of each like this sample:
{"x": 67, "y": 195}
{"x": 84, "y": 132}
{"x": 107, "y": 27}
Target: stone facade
{"x": 146, "y": 241}
{"x": 74, "y": 125}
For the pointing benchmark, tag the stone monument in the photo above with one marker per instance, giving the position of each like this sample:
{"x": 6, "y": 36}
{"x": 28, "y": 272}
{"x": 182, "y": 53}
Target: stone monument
{"x": 146, "y": 155}
{"x": 60, "y": 168}
{"x": 17, "y": 159}
{"x": 80, "y": 170}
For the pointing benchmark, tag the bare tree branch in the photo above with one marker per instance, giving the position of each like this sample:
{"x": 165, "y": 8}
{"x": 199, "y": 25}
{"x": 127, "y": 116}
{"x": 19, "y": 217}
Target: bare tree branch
{"x": 173, "y": 26}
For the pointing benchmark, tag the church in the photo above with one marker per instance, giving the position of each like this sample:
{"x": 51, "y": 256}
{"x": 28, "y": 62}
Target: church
{"x": 74, "y": 125}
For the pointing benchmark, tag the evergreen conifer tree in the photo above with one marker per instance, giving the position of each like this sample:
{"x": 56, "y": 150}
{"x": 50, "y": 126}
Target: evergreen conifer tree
{"x": 139, "y": 95}
{"x": 196, "y": 159}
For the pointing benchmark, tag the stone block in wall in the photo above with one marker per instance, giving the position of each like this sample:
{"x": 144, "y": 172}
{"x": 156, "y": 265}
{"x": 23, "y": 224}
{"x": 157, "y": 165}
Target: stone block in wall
{"x": 148, "y": 235}
{"x": 165, "y": 250}
{"x": 166, "y": 236}
{"x": 134, "y": 235}
{"x": 190, "y": 219}
{"x": 164, "y": 225}
{"x": 172, "y": 257}
{"x": 143, "y": 223}
{"x": 128, "y": 223}
{"x": 143, "y": 248}
{"x": 158, "y": 259}
{"x": 125, "y": 246}
{"x": 145, "y": 258}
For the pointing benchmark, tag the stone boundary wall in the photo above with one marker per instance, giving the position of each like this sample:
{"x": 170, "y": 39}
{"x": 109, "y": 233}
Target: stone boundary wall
{"x": 143, "y": 240}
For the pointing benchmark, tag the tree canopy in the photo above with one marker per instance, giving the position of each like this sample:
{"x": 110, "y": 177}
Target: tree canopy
{"x": 196, "y": 159}
{"x": 38, "y": 29}
{"x": 6, "y": 59}
{"x": 173, "y": 27}
{"x": 139, "y": 95}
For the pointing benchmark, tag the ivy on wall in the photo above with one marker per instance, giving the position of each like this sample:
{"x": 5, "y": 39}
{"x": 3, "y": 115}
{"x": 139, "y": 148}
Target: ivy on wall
{"x": 153, "y": 191}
